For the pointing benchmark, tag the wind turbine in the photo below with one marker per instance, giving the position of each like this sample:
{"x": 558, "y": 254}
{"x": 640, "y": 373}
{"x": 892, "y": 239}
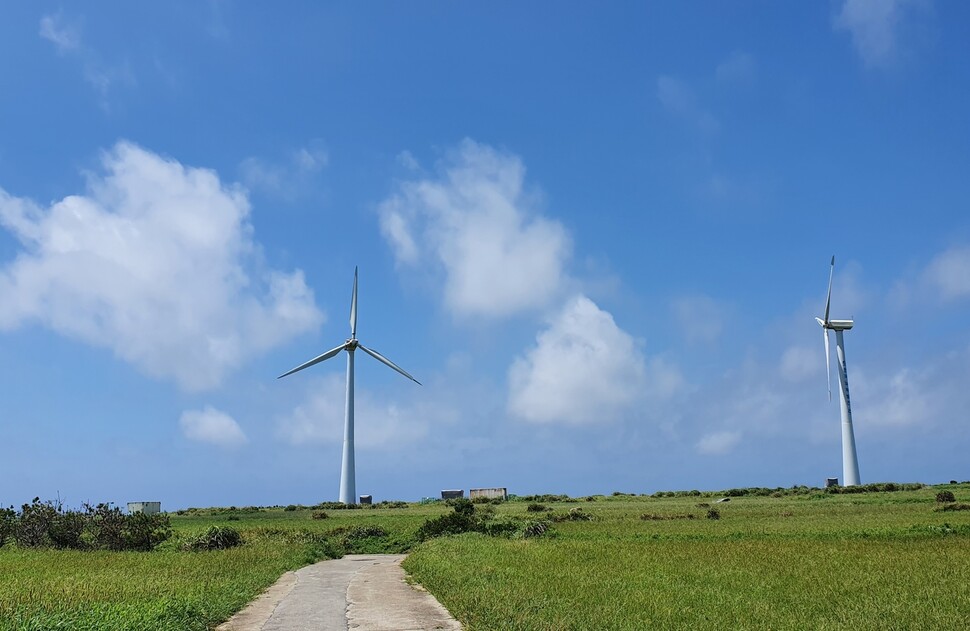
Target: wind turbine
{"x": 850, "y": 464}
{"x": 348, "y": 482}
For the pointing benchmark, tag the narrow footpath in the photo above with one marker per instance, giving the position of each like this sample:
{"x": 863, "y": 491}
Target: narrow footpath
{"x": 360, "y": 592}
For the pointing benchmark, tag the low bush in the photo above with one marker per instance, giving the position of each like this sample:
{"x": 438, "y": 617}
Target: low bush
{"x": 945, "y": 496}
{"x": 336, "y": 506}
{"x": 953, "y": 507}
{"x": 215, "y": 538}
{"x": 8, "y": 522}
{"x": 34, "y": 523}
{"x": 535, "y": 529}
{"x": 536, "y": 508}
{"x": 453, "y": 523}
{"x": 66, "y": 528}
{"x": 713, "y": 514}
{"x": 320, "y": 514}
{"x": 365, "y": 532}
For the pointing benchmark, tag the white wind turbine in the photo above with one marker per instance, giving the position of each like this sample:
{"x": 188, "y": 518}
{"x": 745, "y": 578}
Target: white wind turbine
{"x": 348, "y": 483}
{"x": 850, "y": 464}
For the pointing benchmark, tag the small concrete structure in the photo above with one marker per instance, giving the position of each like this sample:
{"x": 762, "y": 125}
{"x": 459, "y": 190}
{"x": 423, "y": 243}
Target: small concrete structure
{"x": 497, "y": 492}
{"x": 830, "y": 482}
{"x": 367, "y": 499}
{"x": 149, "y": 508}
{"x": 452, "y": 494}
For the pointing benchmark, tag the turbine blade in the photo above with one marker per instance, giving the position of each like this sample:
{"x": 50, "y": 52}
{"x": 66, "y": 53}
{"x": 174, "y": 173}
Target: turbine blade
{"x": 353, "y": 307}
{"x": 828, "y": 297}
{"x": 828, "y": 369}
{"x": 316, "y": 360}
{"x": 387, "y": 362}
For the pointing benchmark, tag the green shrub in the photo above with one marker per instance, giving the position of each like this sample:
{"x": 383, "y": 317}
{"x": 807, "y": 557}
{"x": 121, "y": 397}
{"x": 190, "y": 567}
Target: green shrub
{"x": 453, "y": 523}
{"x": 462, "y": 506}
{"x": 107, "y": 526}
{"x": 535, "y": 529}
{"x": 320, "y": 515}
{"x": 35, "y": 523}
{"x": 143, "y": 532}
{"x": 336, "y": 506}
{"x": 536, "y": 508}
{"x": 713, "y": 514}
{"x": 365, "y": 532}
{"x": 954, "y": 507}
{"x": 215, "y": 538}
{"x": 290, "y": 508}
{"x": 65, "y": 530}
{"x": 8, "y": 522}
{"x": 945, "y": 496}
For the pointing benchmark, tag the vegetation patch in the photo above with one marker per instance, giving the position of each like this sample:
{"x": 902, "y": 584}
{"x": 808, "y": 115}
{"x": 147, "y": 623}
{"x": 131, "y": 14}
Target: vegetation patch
{"x": 215, "y": 538}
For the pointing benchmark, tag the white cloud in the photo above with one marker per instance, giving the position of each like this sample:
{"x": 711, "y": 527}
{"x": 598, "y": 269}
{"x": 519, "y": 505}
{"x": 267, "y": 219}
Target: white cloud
{"x": 157, "y": 262}
{"x": 319, "y": 419}
{"x": 872, "y": 24}
{"x": 717, "y": 443}
{"x": 585, "y": 369}
{"x": 949, "y": 273}
{"x": 65, "y": 36}
{"x": 678, "y": 98}
{"x": 798, "y": 363}
{"x": 285, "y": 180}
{"x": 499, "y": 255}
{"x": 210, "y": 425}
{"x": 700, "y": 317}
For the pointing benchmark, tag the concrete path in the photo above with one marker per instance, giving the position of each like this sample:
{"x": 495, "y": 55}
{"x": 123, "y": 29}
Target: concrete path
{"x": 360, "y": 592}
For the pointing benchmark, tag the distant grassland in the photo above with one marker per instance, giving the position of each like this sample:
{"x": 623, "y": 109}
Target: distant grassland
{"x": 818, "y": 561}
{"x": 810, "y": 561}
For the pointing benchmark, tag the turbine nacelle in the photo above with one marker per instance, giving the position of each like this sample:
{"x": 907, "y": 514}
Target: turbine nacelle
{"x": 835, "y": 325}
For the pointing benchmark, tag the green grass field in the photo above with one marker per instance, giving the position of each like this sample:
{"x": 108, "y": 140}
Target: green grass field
{"x": 886, "y": 560}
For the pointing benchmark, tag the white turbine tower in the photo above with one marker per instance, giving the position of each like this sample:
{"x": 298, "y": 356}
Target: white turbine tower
{"x": 850, "y": 464}
{"x": 348, "y": 482}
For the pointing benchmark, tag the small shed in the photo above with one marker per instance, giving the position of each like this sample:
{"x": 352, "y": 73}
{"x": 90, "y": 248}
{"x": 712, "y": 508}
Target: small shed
{"x": 497, "y": 492}
{"x": 830, "y": 482}
{"x": 367, "y": 499}
{"x": 452, "y": 494}
{"x": 149, "y": 508}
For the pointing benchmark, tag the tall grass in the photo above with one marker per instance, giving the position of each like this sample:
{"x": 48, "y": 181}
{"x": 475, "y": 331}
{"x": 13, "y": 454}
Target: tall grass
{"x": 865, "y": 561}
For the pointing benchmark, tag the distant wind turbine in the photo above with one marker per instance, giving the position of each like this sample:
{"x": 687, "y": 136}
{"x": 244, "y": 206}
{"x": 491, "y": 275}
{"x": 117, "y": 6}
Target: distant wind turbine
{"x": 850, "y": 464}
{"x": 348, "y": 482}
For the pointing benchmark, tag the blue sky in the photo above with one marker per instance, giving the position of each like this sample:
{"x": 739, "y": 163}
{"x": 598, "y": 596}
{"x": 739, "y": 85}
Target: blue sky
{"x": 598, "y": 234}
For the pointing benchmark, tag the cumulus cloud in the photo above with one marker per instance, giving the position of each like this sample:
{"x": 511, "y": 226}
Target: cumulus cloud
{"x": 585, "y": 369}
{"x": 319, "y": 419}
{"x": 873, "y": 25}
{"x": 157, "y": 262}
{"x": 717, "y": 443}
{"x": 212, "y": 426}
{"x": 477, "y": 222}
